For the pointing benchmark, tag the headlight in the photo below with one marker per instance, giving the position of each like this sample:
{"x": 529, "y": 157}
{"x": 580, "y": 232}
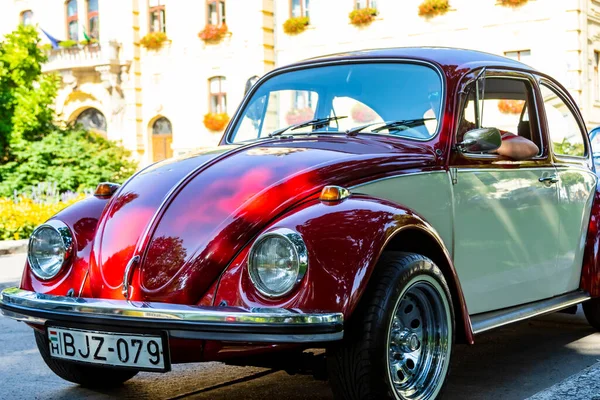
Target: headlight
{"x": 277, "y": 262}
{"x": 50, "y": 245}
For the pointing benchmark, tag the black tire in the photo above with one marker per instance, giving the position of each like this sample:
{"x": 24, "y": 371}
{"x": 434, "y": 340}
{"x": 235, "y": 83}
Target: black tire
{"x": 591, "y": 309}
{"x": 361, "y": 366}
{"x": 84, "y": 375}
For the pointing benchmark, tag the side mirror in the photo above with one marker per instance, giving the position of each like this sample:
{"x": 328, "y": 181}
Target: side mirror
{"x": 480, "y": 140}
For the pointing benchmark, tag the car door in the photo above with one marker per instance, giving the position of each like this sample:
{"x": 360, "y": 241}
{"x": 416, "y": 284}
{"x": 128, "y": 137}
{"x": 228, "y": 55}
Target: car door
{"x": 576, "y": 183}
{"x": 506, "y": 219}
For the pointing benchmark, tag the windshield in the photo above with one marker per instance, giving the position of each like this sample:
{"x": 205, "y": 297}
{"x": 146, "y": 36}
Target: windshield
{"x": 369, "y": 93}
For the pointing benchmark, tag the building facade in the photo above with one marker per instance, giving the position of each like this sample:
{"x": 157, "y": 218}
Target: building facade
{"x": 155, "y": 100}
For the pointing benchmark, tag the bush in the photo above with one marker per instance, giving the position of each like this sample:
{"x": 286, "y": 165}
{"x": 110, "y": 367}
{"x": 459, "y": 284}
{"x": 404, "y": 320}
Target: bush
{"x": 153, "y": 40}
{"x": 20, "y": 215}
{"x": 213, "y": 33}
{"x": 512, "y": 3}
{"x": 46, "y": 47}
{"x": 430, "y": 8}
{"x": 216, "y": 122}
{"x": 73, "y": 158}
{"x": 295, "y": 25}
{"x": 364, "y": 16}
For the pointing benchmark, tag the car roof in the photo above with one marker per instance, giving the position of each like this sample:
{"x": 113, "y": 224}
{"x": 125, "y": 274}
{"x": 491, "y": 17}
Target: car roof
{"x": 446, "y": 57}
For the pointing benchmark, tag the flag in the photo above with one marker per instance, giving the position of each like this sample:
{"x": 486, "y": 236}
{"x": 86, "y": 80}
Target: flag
{"x": 52, "y": 39}
{"x": 87, "y": 38}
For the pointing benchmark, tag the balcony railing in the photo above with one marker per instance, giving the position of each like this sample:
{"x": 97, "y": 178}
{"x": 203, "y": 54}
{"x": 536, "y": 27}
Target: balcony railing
{"x": 82, "y": 57}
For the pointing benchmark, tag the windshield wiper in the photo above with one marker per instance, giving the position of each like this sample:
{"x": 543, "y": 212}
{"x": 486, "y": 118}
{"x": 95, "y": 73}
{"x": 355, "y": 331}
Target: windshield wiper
{"x": 314, "y": 122}
{"x": 400, "y": 125}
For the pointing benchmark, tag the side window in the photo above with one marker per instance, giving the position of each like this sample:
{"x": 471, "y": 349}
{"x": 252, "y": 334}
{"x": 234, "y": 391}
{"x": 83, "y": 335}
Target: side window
{"x": 505, "y": 107}
{"x": 565, "y": 133}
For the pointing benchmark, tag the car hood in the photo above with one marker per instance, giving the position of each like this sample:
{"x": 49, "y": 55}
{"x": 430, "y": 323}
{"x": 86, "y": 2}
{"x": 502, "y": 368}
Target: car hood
{"x": 188, "y": 217}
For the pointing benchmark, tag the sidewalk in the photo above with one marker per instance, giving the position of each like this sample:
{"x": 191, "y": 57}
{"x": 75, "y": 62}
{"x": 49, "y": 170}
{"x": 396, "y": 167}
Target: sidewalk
{"x": 13, "y": 246}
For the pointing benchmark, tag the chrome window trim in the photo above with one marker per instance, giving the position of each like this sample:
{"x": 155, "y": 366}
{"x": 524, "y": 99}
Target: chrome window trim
{"x": 316, "y": 64}
{"x": 67, "y": 238}
{"x": 518, "y": 75}
{"x": 572, "y": 107}
{"x": 295, "y": 239}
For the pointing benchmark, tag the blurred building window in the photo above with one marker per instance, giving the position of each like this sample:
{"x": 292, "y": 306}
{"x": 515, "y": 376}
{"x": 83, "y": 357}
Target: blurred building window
{"x": 157, "y": 16}
{"x": 303, "y": 99}
{"x": 299, "y": 8}
{"x": 93, "y": 120}
{"x": 72, "y": 25}
{"x": 596, "y": 77}
{"x": 27, "y": 18}
{"x": 215, "y": 12}
{"x": 93, "y": 19}
{"x": 520, "y": 55}
{"x": 162, "y": 139}
{"x": 358, "y": 4}
{"x": 218, "y": 94}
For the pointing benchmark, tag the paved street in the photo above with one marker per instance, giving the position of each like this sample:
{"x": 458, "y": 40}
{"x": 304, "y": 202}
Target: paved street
{"x": 516, "y": 362}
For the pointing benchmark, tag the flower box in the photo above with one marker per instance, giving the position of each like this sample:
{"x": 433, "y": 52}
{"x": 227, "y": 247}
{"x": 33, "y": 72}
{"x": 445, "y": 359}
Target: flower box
{"x": 299, "y": 115}
{"x": 363, "y": 114}
{"x": 363, "y": 16}
{"x": 511, "y": 106}
{"x": 153, "y": 40}
{"x": 295, "y": 25}
{"x": 431, "y": 8}
{"x": 216, "y": 122}
{"x": 213, "y": 33}
{"x": 512, "y": 3}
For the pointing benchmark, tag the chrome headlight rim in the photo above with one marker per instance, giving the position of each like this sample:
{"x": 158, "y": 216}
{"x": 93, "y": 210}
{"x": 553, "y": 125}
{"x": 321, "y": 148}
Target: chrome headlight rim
{"x": 300, "y": 251}
{"x": 67, "y": 238}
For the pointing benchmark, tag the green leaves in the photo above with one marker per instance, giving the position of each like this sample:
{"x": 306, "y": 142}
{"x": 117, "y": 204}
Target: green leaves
{"x": 73, "y": 158}
{"x": 33, "y": 148}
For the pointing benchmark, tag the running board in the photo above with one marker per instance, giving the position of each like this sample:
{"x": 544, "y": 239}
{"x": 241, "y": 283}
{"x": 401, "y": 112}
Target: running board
{"x": 495, "y": 319}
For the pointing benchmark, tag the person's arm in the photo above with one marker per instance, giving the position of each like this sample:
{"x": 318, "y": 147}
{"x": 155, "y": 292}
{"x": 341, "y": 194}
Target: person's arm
{"x": 517, "y": 147}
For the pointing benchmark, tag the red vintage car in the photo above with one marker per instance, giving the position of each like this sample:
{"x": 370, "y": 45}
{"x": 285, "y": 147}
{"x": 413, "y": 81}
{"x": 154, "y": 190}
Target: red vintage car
{"x": 360, "y": 203}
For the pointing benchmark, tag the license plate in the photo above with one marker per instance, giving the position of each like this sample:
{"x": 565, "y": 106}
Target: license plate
{"x": 130, "y": 350}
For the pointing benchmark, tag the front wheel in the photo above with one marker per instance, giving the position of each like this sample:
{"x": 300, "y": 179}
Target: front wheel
{"x": 399, "y": 341}
{"x": 84, "y": 375}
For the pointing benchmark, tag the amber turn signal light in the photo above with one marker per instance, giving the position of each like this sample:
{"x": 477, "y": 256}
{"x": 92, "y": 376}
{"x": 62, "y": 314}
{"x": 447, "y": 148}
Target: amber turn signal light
{"x": 106, "y": 189}
{"x": 334, "y": 193}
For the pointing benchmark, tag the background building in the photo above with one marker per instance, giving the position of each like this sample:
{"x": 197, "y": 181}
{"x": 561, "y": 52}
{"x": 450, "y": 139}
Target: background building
{"x": 154, "y": 101}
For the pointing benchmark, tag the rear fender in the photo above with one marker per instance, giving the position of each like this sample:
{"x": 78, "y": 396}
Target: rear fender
{"x": 344, "y": 241}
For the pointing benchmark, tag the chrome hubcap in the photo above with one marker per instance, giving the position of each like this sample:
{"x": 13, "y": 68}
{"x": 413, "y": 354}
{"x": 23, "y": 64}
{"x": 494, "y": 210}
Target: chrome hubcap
{"x": 419, "y": 340}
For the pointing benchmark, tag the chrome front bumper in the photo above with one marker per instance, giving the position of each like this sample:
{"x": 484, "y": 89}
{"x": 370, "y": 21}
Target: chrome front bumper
{"x": 231, "y": 324}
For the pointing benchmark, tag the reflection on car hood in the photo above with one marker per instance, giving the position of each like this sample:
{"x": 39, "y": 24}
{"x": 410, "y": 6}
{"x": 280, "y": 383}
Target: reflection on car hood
{"x": 187, "y": 218}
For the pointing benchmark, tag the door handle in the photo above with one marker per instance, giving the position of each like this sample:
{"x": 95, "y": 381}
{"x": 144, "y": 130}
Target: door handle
{"x": 550, "y": 179}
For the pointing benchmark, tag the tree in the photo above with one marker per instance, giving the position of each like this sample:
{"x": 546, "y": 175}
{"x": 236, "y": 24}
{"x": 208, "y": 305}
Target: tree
{"x": 33, "y": 147}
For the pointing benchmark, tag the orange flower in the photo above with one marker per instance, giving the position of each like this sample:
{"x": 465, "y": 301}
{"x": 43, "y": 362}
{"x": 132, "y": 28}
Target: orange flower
{"x": 511, "y": 106}
{"x": 363, "y": 16}
{"x": 213, "y": 33}
{"x": 512, "y": 3}
{"x": 153, "y": 40}
{"x": 216, "y": 121}
{"x": 299, "y": 115}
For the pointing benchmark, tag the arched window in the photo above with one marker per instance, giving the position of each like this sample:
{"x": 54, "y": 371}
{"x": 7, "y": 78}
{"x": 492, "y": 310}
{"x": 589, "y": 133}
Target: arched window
{"x": 162, "y": 138}
{"x": 92, "y": 120}
{"x": 157, "y": 18}
{"x": 93, "y": 19}
{"x": 27, "y": 17}
{"x": 218, "y": 94}
{"x": 72, "y": 25}
{"x": 215, "y": 12}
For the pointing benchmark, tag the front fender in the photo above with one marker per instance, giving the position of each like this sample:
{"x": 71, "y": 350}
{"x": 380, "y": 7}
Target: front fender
{"x": 344, "y": 241}
{"x": 82, "y": 219}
